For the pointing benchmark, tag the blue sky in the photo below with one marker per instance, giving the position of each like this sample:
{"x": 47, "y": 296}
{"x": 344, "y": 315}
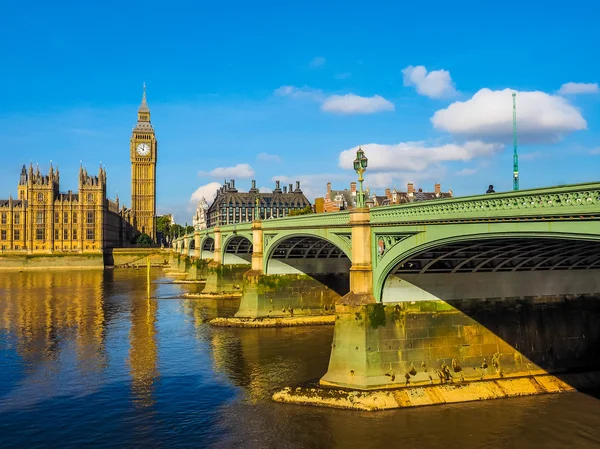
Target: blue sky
{"x": 274, "y": 90}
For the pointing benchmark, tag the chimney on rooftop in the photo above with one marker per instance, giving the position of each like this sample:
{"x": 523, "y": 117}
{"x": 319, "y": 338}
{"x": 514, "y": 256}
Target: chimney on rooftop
{"x": 232, "y": 183}
{"x": 437, "y": 188}
{"x": 410, "y": 188}
{"x": 284, "y": 189}
{"x": 290, "y": 187}
{"x": 353, "y": 187}
{"x": 388, "y": 193}
{"x": 328, "y": 189}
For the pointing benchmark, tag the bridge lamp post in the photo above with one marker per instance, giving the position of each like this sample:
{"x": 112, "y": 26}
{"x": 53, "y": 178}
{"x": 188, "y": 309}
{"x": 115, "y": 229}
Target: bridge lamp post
{"x": 360, "y": 165}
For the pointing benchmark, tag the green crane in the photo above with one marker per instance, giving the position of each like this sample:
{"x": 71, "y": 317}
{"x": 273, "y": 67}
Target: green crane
{"x": 515, "y": 154}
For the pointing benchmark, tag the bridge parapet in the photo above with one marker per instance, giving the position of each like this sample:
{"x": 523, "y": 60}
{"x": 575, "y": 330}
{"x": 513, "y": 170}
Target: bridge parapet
{"x": 578, "y": 199}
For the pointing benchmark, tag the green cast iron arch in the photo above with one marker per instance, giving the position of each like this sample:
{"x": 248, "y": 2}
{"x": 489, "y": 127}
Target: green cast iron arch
{"x": 321, "y": 234}
{"x": 203, "y": 239}
{"x": 227, "y": 238}
{"x": 413, "y": 245}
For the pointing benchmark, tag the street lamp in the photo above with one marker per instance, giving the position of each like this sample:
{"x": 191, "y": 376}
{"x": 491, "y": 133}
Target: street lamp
{"x": 360, "y": 165}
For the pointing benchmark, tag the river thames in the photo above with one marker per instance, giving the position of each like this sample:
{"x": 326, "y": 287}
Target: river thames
{"x": 87, "y": 360}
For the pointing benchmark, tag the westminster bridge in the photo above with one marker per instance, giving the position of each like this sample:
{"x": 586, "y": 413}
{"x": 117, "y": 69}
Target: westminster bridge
{"x": 490, "y": 286}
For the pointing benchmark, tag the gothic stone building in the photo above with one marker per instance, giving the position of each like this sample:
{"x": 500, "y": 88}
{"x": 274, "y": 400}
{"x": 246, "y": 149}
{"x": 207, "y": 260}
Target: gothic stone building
{"x": 46, "y": 220}
{"x": 231, "y": 206}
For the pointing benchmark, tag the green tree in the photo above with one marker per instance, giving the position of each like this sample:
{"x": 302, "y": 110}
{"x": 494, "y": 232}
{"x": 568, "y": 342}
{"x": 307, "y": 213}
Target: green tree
{"x": 176, "y": 230}
{"x": 163, "y": 224}
{"x": 304, "y": 211}
{"x": 143, "y": 240}
{"x": 189, "y": 229}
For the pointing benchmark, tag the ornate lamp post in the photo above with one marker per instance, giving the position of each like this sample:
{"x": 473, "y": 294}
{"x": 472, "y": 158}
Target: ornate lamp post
{"x": 360, "y": 165}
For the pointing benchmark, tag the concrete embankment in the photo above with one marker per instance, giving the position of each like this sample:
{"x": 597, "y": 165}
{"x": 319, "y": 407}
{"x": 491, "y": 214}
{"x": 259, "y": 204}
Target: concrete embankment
{"x": 122, "y": 257}
{"x": 448, "y": 393}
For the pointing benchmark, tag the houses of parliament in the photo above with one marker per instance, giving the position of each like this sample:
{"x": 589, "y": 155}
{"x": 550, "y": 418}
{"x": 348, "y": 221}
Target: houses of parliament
{"x": 43, "y": 219}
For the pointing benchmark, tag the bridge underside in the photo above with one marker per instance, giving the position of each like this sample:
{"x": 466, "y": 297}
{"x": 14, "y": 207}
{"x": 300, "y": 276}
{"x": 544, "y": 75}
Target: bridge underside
{"x": 238, "y": 251}
{"x": 504, "y": 254}
{"x": 208, "y": 248}
{"x": 497, "y": 268}
{"x": 313, "y": 256}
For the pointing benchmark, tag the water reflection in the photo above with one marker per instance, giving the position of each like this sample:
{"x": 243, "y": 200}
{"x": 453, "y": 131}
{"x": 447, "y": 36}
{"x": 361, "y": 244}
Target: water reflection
{"x": 87, "y": 360}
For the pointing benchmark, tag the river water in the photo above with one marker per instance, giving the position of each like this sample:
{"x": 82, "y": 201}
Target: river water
{"x": 87, "y": 360}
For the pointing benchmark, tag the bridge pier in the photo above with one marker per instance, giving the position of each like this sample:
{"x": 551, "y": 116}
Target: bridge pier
{"x": 197, "y": 244}
{"x": 217, "y": 252}
{"x": 224, "y": 280}
{"x": 285, "y": 296}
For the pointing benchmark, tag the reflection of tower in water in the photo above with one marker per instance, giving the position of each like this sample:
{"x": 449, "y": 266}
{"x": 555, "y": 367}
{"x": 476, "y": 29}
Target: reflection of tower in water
{"x": 143, "y": 348}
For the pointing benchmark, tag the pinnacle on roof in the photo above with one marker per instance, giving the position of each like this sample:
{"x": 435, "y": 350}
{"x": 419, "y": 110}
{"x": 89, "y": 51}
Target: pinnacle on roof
{"x": 144, "y": 106}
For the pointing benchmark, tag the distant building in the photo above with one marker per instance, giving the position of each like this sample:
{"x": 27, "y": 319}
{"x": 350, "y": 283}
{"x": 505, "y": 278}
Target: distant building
{"x": 231, "y": 206}
{"x": 336, "y": 200}
{"x": 200, "y": 219}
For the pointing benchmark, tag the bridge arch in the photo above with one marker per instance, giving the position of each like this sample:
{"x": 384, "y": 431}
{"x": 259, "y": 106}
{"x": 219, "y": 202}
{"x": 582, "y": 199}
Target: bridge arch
{"x": 312, "y": 255}
{"x": 489, "y": 265}
{"x": 207, "y": 247}
{"x": 237, "y": 250}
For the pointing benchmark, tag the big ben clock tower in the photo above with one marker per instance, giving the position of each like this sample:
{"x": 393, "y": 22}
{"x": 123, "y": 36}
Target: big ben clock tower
{"x": 143, "y": 152}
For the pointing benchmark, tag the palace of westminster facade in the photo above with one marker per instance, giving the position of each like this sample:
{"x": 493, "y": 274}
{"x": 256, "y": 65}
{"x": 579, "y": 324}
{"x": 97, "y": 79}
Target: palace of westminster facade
{"x": 42, "y": 219}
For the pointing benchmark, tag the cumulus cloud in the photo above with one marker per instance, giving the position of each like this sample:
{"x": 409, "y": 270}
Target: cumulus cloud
{"x": 266, "y": 157}
{"x": 318, "y": 61}
{"x": 237, "y": 171}
{"x": 417, "y": 156}
{"x": 339, "y": 104}
{"x": 355, "y": 104}
{"x": 208, "y": 191}
{"x": 578, "y": 88}
{"x": 488, "y": 115}
{"x": 299, "y": 93}
{"x": 434, "y": 84}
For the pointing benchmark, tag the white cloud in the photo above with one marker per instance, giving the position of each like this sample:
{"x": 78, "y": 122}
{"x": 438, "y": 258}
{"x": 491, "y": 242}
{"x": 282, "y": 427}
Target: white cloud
{"x": 435, "y": 84}
{"x": 299, "y": 93}
{"x": 355, "y": 104}
{"x": 317, "y": 62}
{"x": 265, "y": 190}
{"x": 417, "y": 156}
{"x": 208, "y": 191}
{"x": 488, "y": 115}
{"x": 266, "y": 157}
{"x": 466, "y": 172}
{"x": 237, "y": 171}
{"x": 579, "y": 88}
{"x": 595, "y": 150}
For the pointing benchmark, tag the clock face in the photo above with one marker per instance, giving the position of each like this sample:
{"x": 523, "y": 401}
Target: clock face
{"x": 143, "y": 149}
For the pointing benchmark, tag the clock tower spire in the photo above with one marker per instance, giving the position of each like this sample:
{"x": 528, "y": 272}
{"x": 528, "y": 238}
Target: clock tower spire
{"x": 143, "y": 154}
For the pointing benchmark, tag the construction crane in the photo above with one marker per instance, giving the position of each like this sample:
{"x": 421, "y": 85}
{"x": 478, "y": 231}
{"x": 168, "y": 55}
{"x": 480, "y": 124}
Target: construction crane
{"x": 515, "y": 154}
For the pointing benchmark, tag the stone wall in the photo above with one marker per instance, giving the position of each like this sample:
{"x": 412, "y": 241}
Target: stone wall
{"x": 433, "y": 341}
{"x": 288, "y": 295}
{"x": 23, "y": 261}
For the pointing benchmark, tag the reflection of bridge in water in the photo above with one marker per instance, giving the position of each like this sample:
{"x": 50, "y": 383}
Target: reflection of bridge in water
{"x": 478, "y": 287}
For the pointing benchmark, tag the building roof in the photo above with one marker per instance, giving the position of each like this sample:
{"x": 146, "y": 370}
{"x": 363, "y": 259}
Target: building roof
{"x": 15, "y": 203}
{"x": 229, "y": 195}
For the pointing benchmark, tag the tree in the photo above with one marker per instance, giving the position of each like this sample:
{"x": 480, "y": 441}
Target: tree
{"x": 304, "y": 211}
{"x": 189, "y": 229}
{"x": 143, "y": 240}
{"x": 176, "y": 230}
{"x": 163, "y": 224}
